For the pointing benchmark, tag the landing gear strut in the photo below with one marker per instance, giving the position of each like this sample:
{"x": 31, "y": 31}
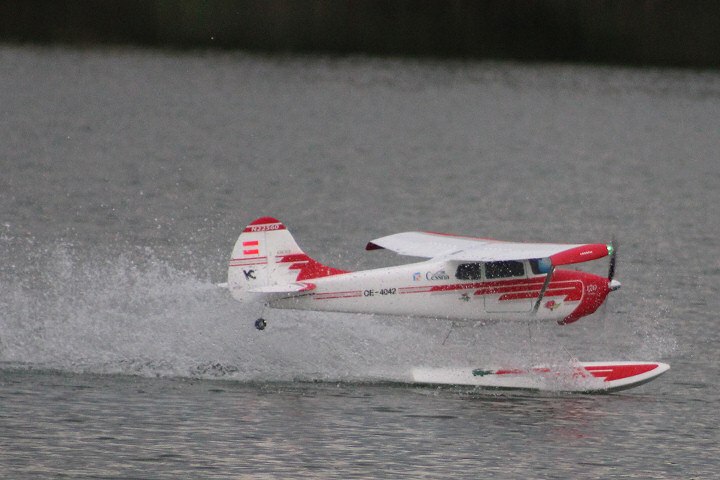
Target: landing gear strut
{"x": 260, "y": 324}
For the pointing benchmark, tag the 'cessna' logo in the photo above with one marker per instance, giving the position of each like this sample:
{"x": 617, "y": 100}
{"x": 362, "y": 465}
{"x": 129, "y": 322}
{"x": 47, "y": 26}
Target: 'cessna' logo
{"x": 249, "y": 274}
{"x": 439, "y": 275}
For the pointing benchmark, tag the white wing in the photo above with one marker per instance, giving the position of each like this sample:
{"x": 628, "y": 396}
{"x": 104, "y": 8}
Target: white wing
{"x": 452, "y": 247}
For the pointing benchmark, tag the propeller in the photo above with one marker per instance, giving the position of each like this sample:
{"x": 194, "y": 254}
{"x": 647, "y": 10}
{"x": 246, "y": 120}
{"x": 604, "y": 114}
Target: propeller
{"x": 614, "y": 284}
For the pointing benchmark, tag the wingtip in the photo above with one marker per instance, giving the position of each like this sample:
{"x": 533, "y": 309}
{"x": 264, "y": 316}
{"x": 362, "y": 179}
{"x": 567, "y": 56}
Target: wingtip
{"x": 580, "y": 254}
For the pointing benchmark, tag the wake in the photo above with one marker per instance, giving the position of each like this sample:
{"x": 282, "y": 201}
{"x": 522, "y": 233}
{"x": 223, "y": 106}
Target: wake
{"x": 133, "y": 313}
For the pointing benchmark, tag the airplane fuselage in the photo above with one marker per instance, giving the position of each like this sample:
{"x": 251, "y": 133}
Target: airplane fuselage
{"x": 460, "y": 290}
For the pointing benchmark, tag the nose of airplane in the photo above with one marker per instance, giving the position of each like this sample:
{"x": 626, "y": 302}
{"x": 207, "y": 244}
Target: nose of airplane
{"x": 614, "y": 285}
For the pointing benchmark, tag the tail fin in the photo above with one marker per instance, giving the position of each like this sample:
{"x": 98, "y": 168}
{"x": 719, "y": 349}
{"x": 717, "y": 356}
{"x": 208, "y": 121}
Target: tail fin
{"x": 266, "y": 261}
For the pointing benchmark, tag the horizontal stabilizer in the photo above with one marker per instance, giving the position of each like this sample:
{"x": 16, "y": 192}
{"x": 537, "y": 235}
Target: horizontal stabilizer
{"x": 287, "y": 288}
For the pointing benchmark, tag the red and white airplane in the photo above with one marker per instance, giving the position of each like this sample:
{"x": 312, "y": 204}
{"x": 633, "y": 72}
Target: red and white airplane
{"x": 464, "y": 278}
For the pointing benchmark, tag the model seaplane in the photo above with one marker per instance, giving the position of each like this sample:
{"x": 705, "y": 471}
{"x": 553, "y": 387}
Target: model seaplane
{"x": 462, "y": 278}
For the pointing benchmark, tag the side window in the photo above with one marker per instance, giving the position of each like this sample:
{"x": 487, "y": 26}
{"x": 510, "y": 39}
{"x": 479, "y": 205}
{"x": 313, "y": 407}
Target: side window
{"x": 469, "y": 271}
{"x": 509, "y": 268}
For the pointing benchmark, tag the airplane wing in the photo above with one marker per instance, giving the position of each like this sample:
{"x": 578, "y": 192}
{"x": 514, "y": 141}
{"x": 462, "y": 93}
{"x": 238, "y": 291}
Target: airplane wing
{"x": 469, "y": 249}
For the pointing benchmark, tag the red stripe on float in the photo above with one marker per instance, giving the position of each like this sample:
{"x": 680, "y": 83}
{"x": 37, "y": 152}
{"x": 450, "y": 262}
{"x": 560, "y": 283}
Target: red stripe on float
{"x": 617, "y": 372}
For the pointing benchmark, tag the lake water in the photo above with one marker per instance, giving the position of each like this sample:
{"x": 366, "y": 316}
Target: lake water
{"x": 127, "y": 176}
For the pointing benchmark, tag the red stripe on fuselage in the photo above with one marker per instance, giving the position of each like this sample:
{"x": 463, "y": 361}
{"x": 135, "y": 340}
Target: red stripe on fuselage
{"x": 425, "y": 289}
{"x": 524, "y": 288}
{"x": 571, "y": 294}
{"x": 308, "y": 268}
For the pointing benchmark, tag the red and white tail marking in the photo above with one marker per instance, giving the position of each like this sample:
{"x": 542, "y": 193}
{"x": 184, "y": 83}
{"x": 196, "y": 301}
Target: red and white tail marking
{"x": 251, "y": 251}
{"x": 267, "y": 260}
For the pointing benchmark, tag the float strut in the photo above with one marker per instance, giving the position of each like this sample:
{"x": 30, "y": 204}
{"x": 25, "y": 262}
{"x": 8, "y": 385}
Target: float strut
{"x": 543, "y": 289}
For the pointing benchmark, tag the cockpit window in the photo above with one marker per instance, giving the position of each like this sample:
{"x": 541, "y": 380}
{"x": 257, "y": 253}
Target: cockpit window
{"x": 540, "y": 265}
{"x": 508, "y": 268}
{"x": 469, "y": 271}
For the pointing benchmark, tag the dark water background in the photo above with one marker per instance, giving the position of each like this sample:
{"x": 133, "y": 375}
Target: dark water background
{"x": 127, "y": 176}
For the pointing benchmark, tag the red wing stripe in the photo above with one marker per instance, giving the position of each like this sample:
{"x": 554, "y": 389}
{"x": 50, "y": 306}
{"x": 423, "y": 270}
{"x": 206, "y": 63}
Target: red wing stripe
{"x": 583, "y": 253}
{"x": 251, "y": 243}
{"x": 251, "y": 252}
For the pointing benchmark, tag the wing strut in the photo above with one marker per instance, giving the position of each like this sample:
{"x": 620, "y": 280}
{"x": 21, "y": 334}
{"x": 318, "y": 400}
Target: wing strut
{"x": 543, "y": 289}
